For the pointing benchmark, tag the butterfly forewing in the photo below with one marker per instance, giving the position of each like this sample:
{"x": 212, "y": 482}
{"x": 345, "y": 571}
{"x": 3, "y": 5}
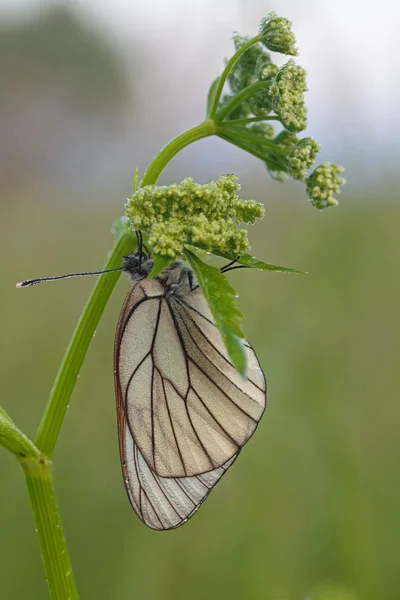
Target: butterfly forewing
{"x": 184, "y": 412}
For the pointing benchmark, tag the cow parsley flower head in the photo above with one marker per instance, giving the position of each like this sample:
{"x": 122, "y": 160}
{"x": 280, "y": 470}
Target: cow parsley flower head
{"x": 323, "y": 183}
{"x": 206, "y": 216}
{"x": 287, "y": 91}
{"x": 277, "y": 35}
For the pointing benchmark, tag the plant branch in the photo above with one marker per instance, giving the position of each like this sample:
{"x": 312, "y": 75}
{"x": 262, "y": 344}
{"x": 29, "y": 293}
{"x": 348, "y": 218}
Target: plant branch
{"x": 165, "y": 155}
{"x": 55, "y": 555}
{"x": 247, "y": 92}
{"x": 225, "y": 74}
{"x": 252, "y": 120}
{"x": 13, "y": 439}
{"x": 240, "y": 144}
{"x": 64, "y": 384}
{"x": 250, "y": 137}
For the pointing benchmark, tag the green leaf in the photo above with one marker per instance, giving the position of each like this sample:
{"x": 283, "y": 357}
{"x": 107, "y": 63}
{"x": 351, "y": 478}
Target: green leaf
{"x": 160, "y": 263}
{"x": 254, "y": 263}
{"x": 220, "y": 297}
{"x": 249, "y": 261}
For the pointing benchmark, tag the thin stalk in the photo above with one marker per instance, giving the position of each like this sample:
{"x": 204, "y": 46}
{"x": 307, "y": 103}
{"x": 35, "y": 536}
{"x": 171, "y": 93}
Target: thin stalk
{"x": 251, "y": 137}
{"x": 225, "y": 74}
{"x": 241, "y": 97}
{"x": 55, "y": 555}
{"x": 53, "y": 416}
{"x": 251, "y": 120}
{"x": 240, "y": 144}
{"x": 165, "y": 155}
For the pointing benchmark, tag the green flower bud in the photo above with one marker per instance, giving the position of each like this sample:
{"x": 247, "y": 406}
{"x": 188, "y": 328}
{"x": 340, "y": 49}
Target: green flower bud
{"x": 190, "y": 213}
{"x": 277, "y": 35}
{"x": 264, "y": 130}
{"x": 323, "y": 183}
{"x": 287, "y": 91}
{"x": 261, "y": 104}
{"x": 302, "y": 158}
{"x": 265, "y": 68}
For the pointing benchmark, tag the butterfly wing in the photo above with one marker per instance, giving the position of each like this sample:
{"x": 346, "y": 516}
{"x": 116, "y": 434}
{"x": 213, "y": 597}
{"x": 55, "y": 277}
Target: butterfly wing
{"x": 164, "y": 502}
{"x": 184, "y": 412}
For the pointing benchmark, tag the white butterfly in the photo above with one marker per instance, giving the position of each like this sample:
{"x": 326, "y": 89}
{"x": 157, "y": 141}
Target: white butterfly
{"x": 184, "y": 412}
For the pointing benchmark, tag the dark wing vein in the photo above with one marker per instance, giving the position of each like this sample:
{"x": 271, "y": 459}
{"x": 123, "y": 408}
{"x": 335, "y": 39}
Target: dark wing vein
{"x": 142, "y": 490}
{"x": 212, "y": 381}
{"x": 215, "y": 419}
{"x": 153, "y": 433}
{"x": 171, "y": 421}
{"x": 185, "y": 354}
{"x": 212, "y": 345}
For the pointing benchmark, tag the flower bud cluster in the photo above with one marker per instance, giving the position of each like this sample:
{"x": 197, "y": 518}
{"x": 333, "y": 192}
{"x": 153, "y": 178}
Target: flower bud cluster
{"x": 189, "y": 213}
{"x": 277, "y": 35}
{"x": 323, "y": 183}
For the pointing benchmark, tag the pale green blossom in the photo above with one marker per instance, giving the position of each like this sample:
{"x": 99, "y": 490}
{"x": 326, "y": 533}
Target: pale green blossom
{"x": 323, "y": 183}
{"x": 277, "y": 35}
{"x": 189, "y": 213}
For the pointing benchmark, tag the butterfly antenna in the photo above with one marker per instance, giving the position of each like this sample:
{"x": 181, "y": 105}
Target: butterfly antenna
{"x": 29, "y": 282}
{"x": 140, "y": 248}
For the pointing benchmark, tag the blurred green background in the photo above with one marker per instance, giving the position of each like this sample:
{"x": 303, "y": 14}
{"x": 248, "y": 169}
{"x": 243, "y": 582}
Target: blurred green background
{"x": 312, "y": 505}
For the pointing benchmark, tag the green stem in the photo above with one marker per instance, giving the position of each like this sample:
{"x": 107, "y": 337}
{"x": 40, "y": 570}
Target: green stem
{"x": 229, "y": 67}
{"x": 56, "y": 560}
{"x": 159, "y": 163}
{"x": 13, "y": 439}
{"x": 247, "y": 92}
{"x": 240, "y": 144}
{"x": 252, "y": 120}
{"x": 251, "y": 137}
{"x": 53, "y": 416}
{"x": 38, "y": 470}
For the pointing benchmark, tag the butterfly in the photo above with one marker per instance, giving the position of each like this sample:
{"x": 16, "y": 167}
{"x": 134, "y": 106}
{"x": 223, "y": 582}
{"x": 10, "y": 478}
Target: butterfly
{"x": 184, "y": 412}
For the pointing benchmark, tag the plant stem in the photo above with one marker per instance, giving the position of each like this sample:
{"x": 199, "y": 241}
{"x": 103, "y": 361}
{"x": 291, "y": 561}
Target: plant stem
{"x": 251, "y": 120}
{"x": 229, "y": 67}
{"x": 241, "y": 97}
{"x": 38, "y": 470}
{"x": 53, "y": 416}
{"x": 240, "y": 144}
{"x": 250, "y": 137}
{"x": 165, "y": 155}
{"x": 56, "y": 560}
{"x": 13, "y": 439}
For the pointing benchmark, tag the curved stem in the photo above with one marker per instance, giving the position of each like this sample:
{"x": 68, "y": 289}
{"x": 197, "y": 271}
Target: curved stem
{"x": 53, "y": 416}
{"x": 229, "y": 67}
{"x": 241, "y": 97}
{"x": 159, "y": 163}
{"x": 56, "y": 560}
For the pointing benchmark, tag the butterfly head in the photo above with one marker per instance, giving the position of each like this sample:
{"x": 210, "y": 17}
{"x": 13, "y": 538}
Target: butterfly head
{"x": 137, "y": 265}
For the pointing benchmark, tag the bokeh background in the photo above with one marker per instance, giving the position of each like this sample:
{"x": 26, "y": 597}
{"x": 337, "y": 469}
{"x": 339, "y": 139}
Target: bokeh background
{"x": 90, "y": 91}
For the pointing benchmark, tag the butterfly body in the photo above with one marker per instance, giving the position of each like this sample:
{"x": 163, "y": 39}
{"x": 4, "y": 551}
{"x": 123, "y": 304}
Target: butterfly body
{"x": 184, "y": 412}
